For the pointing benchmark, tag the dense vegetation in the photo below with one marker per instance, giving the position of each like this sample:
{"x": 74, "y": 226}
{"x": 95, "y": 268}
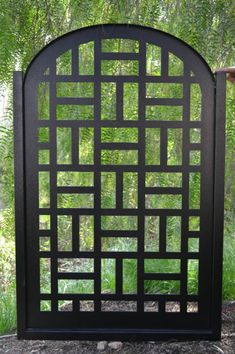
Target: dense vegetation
{"x": 27, "y": 25}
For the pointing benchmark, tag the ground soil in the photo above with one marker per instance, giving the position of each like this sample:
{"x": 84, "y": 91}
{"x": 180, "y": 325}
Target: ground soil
{"x": 227, "y": 344}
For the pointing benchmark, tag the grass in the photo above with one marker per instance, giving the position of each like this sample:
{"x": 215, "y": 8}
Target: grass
{"x": 229, "y": 259}
{"x": 7, "y": 311}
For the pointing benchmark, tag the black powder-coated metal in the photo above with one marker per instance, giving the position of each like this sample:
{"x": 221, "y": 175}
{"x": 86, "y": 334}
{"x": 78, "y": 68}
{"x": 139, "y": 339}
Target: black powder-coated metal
{"x": 137, "y": 325}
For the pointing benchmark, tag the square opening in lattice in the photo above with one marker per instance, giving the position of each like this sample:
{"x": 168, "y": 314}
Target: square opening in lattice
{"x": 172, "y": 306}
{"x": 45, "y": 305}
{"x": 195, "y": 135}
{"x": 195, "y": 158}
{"x": 65, "y": 305}
{"x": 44, "y": 222}
{"x": 44, "y": 157}
{"x": 43, "y": 134}
{"x": 193, "y": 244}
{"x": 44, "y": 244}
{"x": 192, "y": 306}
{"x": 150, "y": 306}
{"x": 194, "y": 223}
{"x": 86, "y": 305}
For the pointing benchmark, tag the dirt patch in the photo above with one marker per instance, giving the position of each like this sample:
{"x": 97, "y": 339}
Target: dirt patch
{"x": 227, "y": 345}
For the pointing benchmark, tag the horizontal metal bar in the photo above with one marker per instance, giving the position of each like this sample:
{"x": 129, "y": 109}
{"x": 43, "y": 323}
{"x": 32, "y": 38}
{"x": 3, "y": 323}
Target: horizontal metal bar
{"x": 44, "y": 233}
{"x": 120, "y": 124}
{"x": 164, "y": 101}
{"x": 119, "y": 146}
{"x": 43, "y": 146}
{"x": 75, "y": 275}
{"x": 99, "y": 211}
{"x": 119, "y": 297}
{"x": 69, "y": 189}
{"x": 195, "y": 146}
{"x": 121, "y": 254}
{"x": 194, "y": 233}
{"x": 123, "y": 78}
{"x": 70, "y": 167}
{"x": 120, "y": 168}
{"x": 64, "y": 254}
{"x": 163, "y": 190}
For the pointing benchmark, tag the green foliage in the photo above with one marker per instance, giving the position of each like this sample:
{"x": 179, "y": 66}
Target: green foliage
{"x": 7, "y": 311}
{"x": 28, "y": 25}
{"x": 7, "y": 249}
{"x": 7, "y": 272}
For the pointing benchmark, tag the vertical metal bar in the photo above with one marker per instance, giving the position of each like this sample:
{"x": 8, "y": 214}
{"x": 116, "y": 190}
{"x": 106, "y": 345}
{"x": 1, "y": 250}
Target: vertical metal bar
{"x": 185, "y": 192}
{"x": 218, "y": 210}
{"x": 141, "y": 178}
{"x": 164, "y": 62}
{"x": 119, "y": 101}
{"x": 53, "y": 192}
{"x": 75, "y": 146}
{"x": 19, "y": 202}
{"x": 162, "y": 240}
{"x": 119, "y": 276}
{"x": 75, "y": 61}
{"x": 75, "y": 234}
{"x": 119, "y": 190}
{"x": 97, "y": 177}
{"x": 163, "y": 147}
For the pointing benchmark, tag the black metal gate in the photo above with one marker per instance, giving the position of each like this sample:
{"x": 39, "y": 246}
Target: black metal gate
{"x": 119, "y": 156}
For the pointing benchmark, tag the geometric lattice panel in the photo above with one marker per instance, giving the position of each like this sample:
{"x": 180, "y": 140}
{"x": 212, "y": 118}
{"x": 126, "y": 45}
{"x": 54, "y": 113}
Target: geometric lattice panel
{"x": 119, "y": 168}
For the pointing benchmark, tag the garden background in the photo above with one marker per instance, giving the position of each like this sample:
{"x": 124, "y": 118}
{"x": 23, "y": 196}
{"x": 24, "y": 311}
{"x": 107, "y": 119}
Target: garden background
{"x": 26, "y": 26}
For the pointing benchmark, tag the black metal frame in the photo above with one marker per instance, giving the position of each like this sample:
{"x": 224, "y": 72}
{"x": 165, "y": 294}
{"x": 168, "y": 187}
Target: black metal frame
{"x": 128, "y": 326}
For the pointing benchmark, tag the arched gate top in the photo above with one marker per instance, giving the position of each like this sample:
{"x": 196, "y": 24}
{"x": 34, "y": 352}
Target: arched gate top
{"x": 192, "y": 60}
